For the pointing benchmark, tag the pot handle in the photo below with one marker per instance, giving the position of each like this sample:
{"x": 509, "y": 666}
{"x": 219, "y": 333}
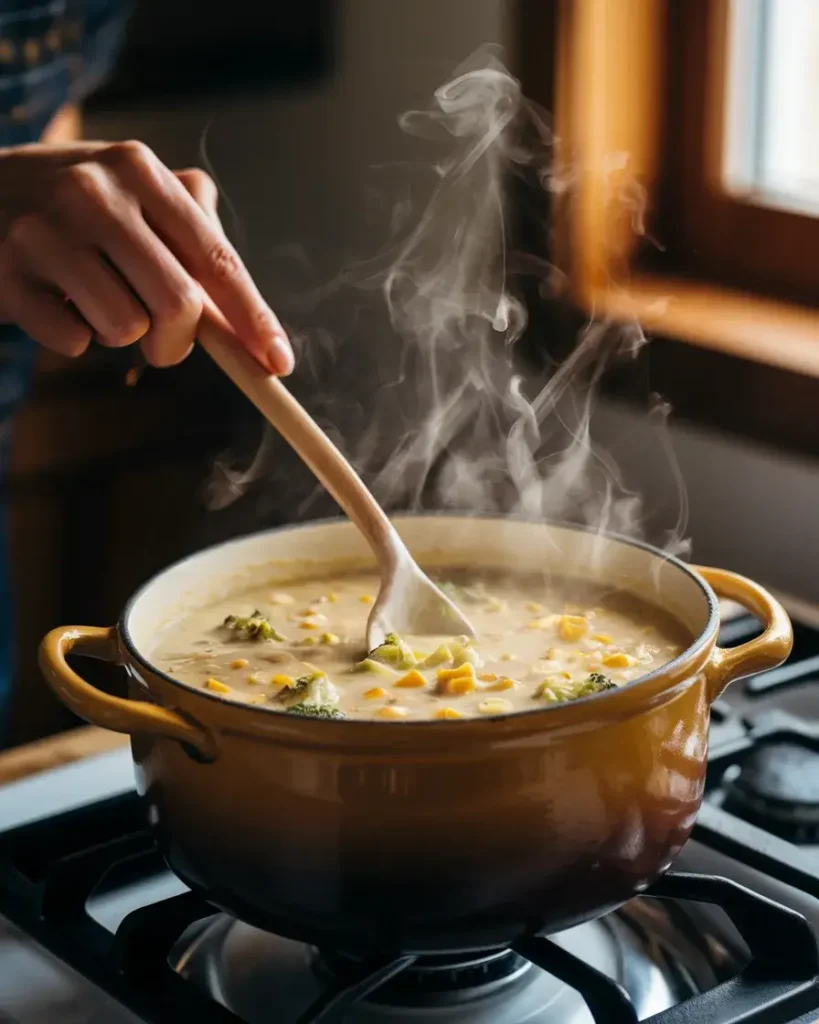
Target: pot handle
{"x": 766, "y": 651}
{"x": 102, "y": 709}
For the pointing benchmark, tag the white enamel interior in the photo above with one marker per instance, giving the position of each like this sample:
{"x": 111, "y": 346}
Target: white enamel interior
{"x": 326, "y": 547}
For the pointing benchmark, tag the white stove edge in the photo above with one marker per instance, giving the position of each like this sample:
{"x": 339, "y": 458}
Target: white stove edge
{"x": 66, "y": 787}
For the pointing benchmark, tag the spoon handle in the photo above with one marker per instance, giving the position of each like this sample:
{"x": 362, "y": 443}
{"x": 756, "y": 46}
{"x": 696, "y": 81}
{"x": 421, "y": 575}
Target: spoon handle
{"x": 301, "y": 431}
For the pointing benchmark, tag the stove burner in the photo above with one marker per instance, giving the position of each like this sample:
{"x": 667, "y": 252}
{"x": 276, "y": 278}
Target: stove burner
{"x": 777, "y": 788}
{"x": 656, "y": 953}
{"x": 174, "y": 957}
{"x": 434, "y": 979}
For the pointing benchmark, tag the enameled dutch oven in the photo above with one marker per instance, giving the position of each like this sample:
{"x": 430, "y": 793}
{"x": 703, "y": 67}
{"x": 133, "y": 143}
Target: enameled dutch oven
{"x": 433, "y": 835}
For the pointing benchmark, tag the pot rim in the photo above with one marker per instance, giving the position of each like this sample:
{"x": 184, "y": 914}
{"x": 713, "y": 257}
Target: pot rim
{"x": 670, "y": 668}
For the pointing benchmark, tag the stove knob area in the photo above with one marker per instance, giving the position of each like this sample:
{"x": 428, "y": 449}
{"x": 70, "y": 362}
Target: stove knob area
{"x": 777, "y": 788}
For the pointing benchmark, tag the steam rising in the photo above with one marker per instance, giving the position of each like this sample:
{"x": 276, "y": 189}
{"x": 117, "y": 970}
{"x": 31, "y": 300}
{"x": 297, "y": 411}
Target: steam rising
{"x": 479, "y": 434}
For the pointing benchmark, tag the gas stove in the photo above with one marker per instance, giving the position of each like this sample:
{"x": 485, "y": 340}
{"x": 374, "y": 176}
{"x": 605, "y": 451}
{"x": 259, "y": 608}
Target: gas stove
{"x": 95, "y": 930}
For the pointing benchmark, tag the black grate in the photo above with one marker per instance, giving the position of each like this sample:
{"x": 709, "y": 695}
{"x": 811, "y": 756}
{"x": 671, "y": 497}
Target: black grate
{"x": 49, "y": 869}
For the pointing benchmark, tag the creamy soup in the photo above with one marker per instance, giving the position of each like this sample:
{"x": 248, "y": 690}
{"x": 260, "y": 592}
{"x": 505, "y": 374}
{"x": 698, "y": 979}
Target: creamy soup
{"x": 300, "y": 649}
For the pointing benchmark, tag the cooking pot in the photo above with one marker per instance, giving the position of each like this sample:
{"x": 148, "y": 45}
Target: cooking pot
{"x": 428, "y": 836}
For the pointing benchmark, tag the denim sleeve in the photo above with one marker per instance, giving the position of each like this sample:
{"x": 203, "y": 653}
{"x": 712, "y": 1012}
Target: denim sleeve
{"x": 53, "y": 53}
{"x": 16, "y": 365}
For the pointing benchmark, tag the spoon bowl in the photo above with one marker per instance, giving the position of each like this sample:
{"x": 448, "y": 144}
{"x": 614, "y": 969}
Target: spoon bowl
{"x": 408, "y": 601}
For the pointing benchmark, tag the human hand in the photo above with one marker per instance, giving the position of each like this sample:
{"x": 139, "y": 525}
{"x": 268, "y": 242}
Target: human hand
{"x": 103, "y": 241}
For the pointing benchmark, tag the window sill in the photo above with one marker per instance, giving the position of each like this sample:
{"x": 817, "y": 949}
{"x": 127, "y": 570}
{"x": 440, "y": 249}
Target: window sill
{"x": 744, "y": 325}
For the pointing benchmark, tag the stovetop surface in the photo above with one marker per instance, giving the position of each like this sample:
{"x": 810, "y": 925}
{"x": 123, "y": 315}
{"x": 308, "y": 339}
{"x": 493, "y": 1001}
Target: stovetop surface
{"x": 79, "y": 876}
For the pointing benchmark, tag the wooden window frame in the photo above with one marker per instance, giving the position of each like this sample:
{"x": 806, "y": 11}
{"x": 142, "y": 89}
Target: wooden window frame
{"x": 618, "y": 88}
{"x": 696, "y": 213}
{"x": 726, "y": 358}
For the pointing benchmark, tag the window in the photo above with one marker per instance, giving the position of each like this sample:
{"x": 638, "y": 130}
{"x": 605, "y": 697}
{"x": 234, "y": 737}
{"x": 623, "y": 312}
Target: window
{"x": 741, "y": 159}
{"x": 715, "y": 106}
{"x": 771, "y": 151}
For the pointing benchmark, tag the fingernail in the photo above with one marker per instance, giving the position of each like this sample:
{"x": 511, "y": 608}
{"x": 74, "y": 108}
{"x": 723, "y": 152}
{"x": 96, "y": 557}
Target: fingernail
{"x": 281, "y": 356}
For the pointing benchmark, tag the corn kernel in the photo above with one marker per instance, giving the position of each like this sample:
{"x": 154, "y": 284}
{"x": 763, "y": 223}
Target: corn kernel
{"x": 310, "y": 641}
{"x": 572, "y": 627}
{"x": 216, "y": 686}
{"x": 503, "y": 684}
{"x": 507, "y": 657}
{"x": 308, "y": 624}
{"x": 253, "y": 678}
{"x": 619, "y": 660}
{"x": 413, "y": 680}
{"x": 393, "y": 711}
{"x": 280, "y": 598}
{"x": 310, "y": 611}
{"x": 542, "y": 623}
{"x": 496, "y": 706}
{"x": 448, "y": 713}
{"x": 374, "y": 692}
{"x": 488, "y": 677}
{"x": 460, "y": 686}
{"x": 330, "y": 638}
{"x": 534, "y": 607}
{"x": 603, "y": 638}
{"x": 366, "y": 599}
{"x": 239, "y": 663}
{"x": 332, "y": 598}
{"x": 283, "y": 681}
{"x": 443, "y": 675}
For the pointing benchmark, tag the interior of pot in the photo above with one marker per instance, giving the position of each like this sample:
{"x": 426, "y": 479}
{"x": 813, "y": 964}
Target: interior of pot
{"x": 326, "y": 548}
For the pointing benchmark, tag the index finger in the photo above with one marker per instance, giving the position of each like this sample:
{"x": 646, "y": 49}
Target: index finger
{"x": 204, "y": 250}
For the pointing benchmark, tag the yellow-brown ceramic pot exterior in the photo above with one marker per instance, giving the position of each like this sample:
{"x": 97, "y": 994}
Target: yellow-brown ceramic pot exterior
{"x": 434, "y": 835}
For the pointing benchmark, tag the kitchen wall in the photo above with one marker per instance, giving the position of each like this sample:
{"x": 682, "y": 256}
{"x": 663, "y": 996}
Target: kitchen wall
{"x": 750, "y": 508}
{"x": 300, "y": 166}
{"x": 310, "y": 177}
{"x": 303, "y": 171}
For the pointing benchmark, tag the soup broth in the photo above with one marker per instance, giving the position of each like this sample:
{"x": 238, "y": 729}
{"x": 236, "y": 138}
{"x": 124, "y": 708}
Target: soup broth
{"x": 299, "y": 649}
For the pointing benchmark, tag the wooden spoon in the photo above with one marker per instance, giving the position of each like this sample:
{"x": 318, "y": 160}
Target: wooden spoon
{"x": 408, "y": 601}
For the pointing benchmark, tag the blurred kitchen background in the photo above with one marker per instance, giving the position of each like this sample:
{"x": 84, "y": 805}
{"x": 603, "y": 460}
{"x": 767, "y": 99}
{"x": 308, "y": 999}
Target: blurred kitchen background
{"x": 294, "y": 108}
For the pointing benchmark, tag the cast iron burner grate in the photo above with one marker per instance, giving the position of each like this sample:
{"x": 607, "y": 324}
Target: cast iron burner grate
{"x": 50, "y": 869}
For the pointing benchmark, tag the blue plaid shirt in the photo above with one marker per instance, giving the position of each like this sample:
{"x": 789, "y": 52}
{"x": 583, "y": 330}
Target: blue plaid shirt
{"x": 51, "y": 53}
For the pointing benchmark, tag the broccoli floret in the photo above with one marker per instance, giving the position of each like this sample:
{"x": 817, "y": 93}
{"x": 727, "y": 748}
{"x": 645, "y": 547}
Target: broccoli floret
{"x": 596, "y": 683}
{"x": 302, "y": 683}
{"x": 253, "y": 627}
{"x": 299, "y": 688}
{"x": 315, "y": 711}
{"x": 393, "y": 652}
{"x": 310, "y": 691}
{"x": 464, "y": 654}
{"x": 368, "y": 665}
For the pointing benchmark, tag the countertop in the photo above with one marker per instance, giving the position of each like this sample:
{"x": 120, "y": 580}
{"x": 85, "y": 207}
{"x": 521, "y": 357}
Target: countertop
{"x": 54, "y": 751}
